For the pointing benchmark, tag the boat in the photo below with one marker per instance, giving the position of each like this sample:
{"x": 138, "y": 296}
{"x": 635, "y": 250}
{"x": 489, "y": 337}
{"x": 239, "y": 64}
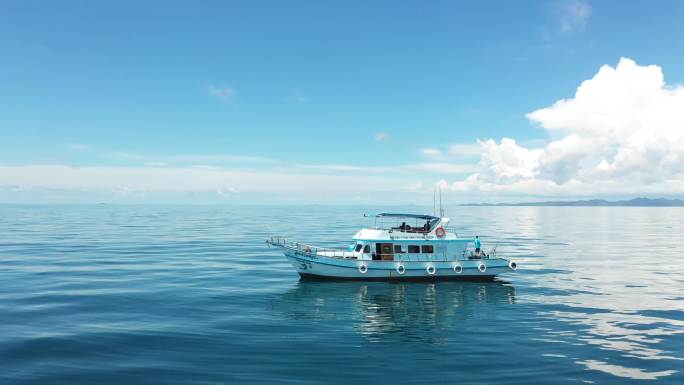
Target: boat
{"x": 397, "y": 247}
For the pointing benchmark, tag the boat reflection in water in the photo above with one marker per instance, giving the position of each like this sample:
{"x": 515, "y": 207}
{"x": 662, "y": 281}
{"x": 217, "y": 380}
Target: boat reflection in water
{"x": 413, "y": 311}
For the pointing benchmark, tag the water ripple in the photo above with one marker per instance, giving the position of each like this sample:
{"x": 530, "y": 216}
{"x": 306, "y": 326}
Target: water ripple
{"x": 190, "y": 294}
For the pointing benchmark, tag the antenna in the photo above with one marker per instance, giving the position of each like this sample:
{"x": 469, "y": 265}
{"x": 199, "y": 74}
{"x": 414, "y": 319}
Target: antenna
{"x": 434, "y": 198}
{"x": 441, "y": 212}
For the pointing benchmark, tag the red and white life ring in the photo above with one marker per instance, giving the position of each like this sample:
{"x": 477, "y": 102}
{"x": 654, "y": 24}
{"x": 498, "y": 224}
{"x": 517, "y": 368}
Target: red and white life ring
{"x": 440, "y": 232}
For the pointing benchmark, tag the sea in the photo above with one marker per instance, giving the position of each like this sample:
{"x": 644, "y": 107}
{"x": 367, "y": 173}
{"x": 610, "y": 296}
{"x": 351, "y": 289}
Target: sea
{"x": 171, "y": 294}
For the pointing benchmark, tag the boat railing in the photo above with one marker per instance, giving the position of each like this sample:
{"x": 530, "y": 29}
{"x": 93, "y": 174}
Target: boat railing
{"x": 472, "y": 254}
{"x": 308, "y": 250}
{"x": 412, "y": 230}
{"x": 418, "y": 226}
{"x": 311, "y": 250}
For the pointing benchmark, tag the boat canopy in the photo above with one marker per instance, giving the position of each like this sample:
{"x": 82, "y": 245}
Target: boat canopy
{"x": 416, "y": 216}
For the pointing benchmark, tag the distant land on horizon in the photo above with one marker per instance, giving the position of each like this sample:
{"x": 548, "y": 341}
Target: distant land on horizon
{"x": 636, "y": 202}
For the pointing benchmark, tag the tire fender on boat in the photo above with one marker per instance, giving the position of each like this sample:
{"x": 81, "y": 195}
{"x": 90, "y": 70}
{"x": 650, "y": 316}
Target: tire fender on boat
{"x": 363, "y": 269}
{"x": 458, "y": 269}
{"x": 482, "y": 267}
{"x": 401, "y": 269}
{"x": 431, "y": 269}
{"x": 512, "y": 265}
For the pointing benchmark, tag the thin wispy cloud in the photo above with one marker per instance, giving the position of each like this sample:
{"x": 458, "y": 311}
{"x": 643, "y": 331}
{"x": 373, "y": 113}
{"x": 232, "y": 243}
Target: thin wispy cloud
{"x": 455, "y": 151}
{"x": 441, "y": 168}
{"x": 573, "y": 16}
{"x": 151, "y": 182}
{"x": 191, "y": 159}
{"x": 224, "y": 94}
{"x": 333, "y": 183}
{"x": 344, "y": 168}
{"x": 431, "y": 153}
{"x": 464, "y": 150}
{"x": 227, "y": 191}
{"x": 381, "y": 136}
{"x": 297, "y": 97}
{"x": 412, "y": 168}
{"x": 78, "y": 146}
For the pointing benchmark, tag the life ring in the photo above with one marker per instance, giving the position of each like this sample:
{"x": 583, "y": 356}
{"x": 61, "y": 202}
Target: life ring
{"x": 431, "y": 269}
{"x": 458, "y": 269}
{"x": 307, "y": 251}
{"x": 440, "y": 232}
{"x": 401, "y": 269}
{"x": 363, "y": 269}
{"x": 512, "y": 265}
{"x": 482, "y": 267}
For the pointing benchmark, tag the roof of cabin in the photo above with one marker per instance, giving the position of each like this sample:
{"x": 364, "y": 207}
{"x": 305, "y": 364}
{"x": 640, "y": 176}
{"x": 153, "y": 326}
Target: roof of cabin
{"x": 397, "y": 215}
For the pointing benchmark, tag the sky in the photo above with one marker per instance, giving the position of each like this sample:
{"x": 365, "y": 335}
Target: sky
{"x": 341, "y": 102}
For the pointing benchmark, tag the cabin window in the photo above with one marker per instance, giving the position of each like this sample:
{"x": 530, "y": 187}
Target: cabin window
{"x": 413, "y": 249}
{"x": 366, "y": 249}
{"x": 428, "y": 249}
{"x": 398, "y": 250}
{"x": 358, "y": 247}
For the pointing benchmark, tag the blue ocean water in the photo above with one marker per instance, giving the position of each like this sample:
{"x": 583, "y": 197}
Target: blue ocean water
{"x": 103, "y": 294}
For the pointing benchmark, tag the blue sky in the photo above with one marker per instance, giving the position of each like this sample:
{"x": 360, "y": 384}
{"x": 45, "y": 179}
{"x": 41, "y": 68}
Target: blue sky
{"x": 370, "y": 91}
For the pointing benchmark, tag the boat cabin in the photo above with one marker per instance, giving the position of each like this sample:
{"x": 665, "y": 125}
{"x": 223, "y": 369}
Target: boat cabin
{"x": 407, "y": 237}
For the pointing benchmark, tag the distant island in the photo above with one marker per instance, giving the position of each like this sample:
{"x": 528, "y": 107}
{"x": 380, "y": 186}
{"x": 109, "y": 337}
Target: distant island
{"x": 636, "y": 202}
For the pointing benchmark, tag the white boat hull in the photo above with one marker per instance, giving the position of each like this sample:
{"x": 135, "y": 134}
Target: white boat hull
{"x": 313, "y": 266}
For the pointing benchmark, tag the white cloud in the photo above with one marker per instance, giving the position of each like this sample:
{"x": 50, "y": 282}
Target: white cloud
{"x": 573, "y": 16}
{"x": 622, "y": 133}
{"x": 464, "y": 150}
{"x": 224, "y": 94}
{"x": 441, "y": 184}
{"x": 507, "y": 160}
{"x": 381, "y": 136}
{"x": 431, "y": 153}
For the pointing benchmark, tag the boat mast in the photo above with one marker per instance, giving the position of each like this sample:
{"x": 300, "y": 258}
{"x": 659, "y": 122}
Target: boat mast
{"x": 441, "y": 212}
{"x": 434, "y": 199}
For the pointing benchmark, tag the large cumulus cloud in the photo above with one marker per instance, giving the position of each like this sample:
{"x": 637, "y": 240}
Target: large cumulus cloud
{"x": 622, "y": 133}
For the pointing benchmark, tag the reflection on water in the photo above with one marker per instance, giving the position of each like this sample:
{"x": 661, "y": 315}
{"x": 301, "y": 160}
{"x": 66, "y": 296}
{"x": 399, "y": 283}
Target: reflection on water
{"x": 627, "y": 334}
{"x": 607, "y": 287}
{"x": 632, "y": 334}
{"x": 409, "y": 311}
{"x": 621, "y": 371}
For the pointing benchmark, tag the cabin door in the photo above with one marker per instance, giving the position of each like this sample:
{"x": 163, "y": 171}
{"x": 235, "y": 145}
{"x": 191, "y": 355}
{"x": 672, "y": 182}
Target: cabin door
{"x": 384, "y": 251}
